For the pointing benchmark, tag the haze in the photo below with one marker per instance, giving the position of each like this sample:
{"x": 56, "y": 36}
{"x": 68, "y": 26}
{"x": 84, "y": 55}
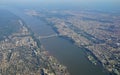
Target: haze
{"x": 108, "y": 4}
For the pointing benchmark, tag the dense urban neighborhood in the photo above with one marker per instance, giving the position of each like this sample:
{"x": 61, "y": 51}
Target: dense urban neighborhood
{"x": 99, "y": 32}
{"x": 21, "y": 52}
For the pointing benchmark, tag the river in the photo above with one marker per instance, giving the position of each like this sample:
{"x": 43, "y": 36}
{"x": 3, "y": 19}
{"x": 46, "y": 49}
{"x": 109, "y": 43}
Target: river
{"x": 65, "y": 51}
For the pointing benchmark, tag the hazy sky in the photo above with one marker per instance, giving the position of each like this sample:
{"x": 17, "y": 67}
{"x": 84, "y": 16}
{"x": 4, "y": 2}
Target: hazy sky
{"x": 84, "y": 3}
{"x": 62, "y": 1}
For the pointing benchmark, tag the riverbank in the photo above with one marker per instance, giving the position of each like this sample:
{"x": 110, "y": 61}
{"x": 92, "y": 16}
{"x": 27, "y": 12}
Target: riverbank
{"x": 90, "y": 56}
{"x": 66, "y": 52}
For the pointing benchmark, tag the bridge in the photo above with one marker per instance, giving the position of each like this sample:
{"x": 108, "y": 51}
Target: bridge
{"x": 49, "y": 36}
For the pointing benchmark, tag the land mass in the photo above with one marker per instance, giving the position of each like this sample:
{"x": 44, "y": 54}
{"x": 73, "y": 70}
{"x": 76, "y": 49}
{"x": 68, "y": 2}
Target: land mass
{"x": 98, "y": 32}
{"x": 21, "y": 52}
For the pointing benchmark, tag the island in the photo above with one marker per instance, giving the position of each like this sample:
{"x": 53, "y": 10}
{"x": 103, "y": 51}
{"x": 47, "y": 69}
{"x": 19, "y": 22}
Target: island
{"x": 21, "y": 52}
{"x": 97, "y": 32}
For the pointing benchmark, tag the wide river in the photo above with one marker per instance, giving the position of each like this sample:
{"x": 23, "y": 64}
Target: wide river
{"x": 66, "y": 52}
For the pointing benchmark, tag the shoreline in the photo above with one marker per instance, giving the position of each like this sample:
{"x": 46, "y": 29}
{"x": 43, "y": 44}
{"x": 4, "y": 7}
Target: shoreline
{"x": 99, "y": 63}
{"x": 73, "y": 42}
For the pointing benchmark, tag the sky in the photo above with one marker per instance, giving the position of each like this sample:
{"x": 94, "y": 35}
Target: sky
{"x": 75, "y": 3}
{"x": 61, "y": 1}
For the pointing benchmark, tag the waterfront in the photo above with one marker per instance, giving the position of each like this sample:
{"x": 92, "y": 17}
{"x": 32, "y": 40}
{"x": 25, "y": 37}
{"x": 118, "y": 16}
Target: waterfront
{"x": 67, "y": 53}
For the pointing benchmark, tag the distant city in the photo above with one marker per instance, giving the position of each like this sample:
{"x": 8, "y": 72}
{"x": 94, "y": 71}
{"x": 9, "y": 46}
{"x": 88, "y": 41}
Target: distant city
{"x": 59, "y": 37}
{"x": 98, "y": 32}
